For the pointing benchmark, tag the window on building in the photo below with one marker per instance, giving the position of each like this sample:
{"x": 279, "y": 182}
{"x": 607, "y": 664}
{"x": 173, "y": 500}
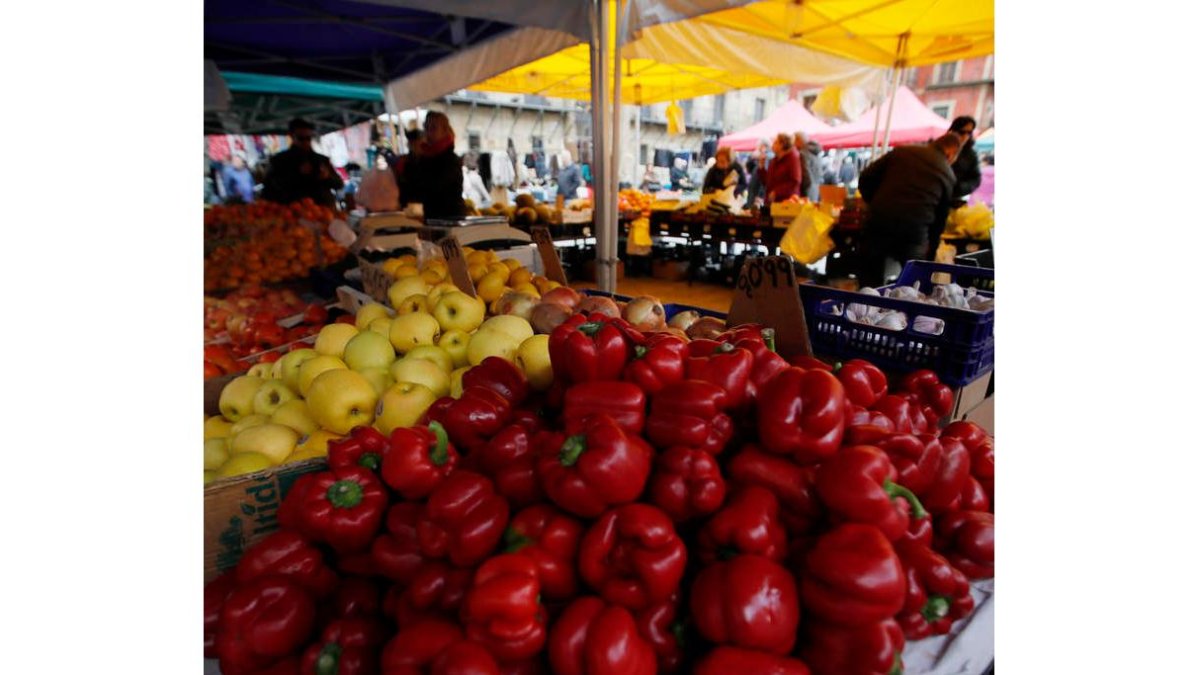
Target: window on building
{"x": 943, "y": 109}
{"x": 946, "y": 73}
{"x": 644, "y": 154}
{"x": 760, "y": 109}
{"x": 719, "y": 109}
{"x": 686, "y": 105}
{"x": 473, "y": 140}
{"x": 537, "y": 143}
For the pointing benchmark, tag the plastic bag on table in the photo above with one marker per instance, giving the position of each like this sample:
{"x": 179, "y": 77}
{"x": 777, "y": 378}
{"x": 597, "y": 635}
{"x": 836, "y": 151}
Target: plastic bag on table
{"x": 378, "y": 191}
{"x": 807, "y": 238}
{"x": 974, "y": 221}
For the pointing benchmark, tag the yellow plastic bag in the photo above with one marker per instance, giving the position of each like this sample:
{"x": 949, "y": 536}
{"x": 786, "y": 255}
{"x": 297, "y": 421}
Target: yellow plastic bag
{"x": 639, "y": 241}
{"x": 972, "y": 221}
{"x": 675, "y": 125}
{"x": 807, "y": 238}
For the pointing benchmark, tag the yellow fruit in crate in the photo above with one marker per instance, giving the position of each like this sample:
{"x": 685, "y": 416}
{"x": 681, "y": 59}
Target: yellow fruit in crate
{"x": 476, "y": 272}
{"x": 456, "y": 385}
{"x": 408, "y": 259}
{"x": 421, "y": 371}
{"x": 291, "y": 366}
{"x": 551, "y": 285}
{"x": 311, "y": 368}
{"x": 216, "y": 453}
{"x": 294, "y": 414}
{"x": 368, "y": 313}
{"x": 413, "y": 303}
{"x": 492, "y": 257}
{"x": 390, "y": 266}
{"x": 237, "y": 398}
{"x": 216, "y": 427}
{"x": 277, "y": 369}
{"x": 436, "y": 264}
{"x": 455, "y": 309}
{"x": 406, "y": 272}
{"x": 262, "y": 370}
{"x": 247, "y": 462}
{"x": 432, "y": 353}
{"x": 369, "y": 350}
{"x": 210, "y": 476}
{"x": 247, "y": 422}
{"x": 490, "y": 287}
{"x": 439, "y": 290}
{"x": 521, "y": 275}
{"x": 541, "y": 283}
{"x": 340, "y": 400}
{"x": 271, "y": 395}
{"x": 402, "y": 405}
{"x": 477, "y": 258}
{"x": 512, "y": 263}
{"x": 404, "y": 288}
{"x": 312, "y": 445}
{"x": 533, "y": 358}
{"x": 433, "y": 277}
{"x": 379, "y": 378}
{"x": 382, "y": 325}
{"x": 454, "y": 343}
{"x": 493, "y": 342}
{"x": 501, "y": 269}
{"x": 410, "y": 330}
{"x": 332, "y": 339}
{"x": 513, "y": 325}
{"x": 275, "y": 441}
{"x": 527, "y": 288}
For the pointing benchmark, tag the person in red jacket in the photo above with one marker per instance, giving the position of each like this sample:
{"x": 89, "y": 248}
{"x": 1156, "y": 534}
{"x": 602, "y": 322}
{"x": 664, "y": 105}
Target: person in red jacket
{"x": 784, "y": 174}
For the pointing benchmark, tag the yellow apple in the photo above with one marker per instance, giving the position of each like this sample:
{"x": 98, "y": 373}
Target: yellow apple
{"x": 500, "y": 269}
{"x": 513, "y": 325}
{"x": 423, "y": 372}
{"x": 216, "y": 452}
{"x": 237, "y": 398}
{"x": 491, "y": 286}
{"x": 382, "y": 325}
{"x": 455, "y": 309}
{"x": 379, "y": 378}
{"x": 313, "y": 367}
{"x": 277, "y": 369}
{"x": 272, "y": 394}
{"x": 456, "y": 385}
{"x": 368, "y": 313}
{"x": 477, "y": 258}
{"x": 262, "y": 370}
{"x": 476, "y": 272}
{"x": 315, "y": 444}
{"x": 291, "y": 366}
{"x": 413, "y": 303}
{"x": 247, "y": 462}
{"x": 533, "y": 358}
{"x": 432, "y": 353}
{"x": 433, "y": 276}
{"x": 332, "y": 339}
{"x": 402, "y": 405}
{"x": 218, "y": 427}
{"x": 512, "y": 263}
{"x": 275, "y": 441}
{"x": 390, "y": 266}
{"x": 492, "y": 342}
{"x": 520, "y": 276}
{"x": 528, "y": 289}
{"x": 437, "y": 291}
{"x": 294, "y": 414}
{"x": 246, "y": 422}
{"x": 551, "y": 285}
{"x": 403, "y": 288}
{"x": 454, "y": 343}
{"x": 409, "y": 330}
{"x": 340, "y": 400}
{"x": 436, "y": 264}
{"x": 405, "y": 271}
{"x": 369, "y": 350}
{"x": 210, "y": 476}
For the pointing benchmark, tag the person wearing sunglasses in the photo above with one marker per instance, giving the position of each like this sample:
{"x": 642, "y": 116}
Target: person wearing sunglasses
{"x": 300, "y": 172}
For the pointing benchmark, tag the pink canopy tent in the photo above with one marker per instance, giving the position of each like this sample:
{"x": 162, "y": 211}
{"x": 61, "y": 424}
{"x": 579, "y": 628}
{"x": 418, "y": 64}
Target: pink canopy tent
{"x": 788, "y": 118}
{"x": 912, "y": 122}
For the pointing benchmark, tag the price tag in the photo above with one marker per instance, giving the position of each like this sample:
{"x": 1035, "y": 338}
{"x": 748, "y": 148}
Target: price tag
{"x": 452, "y": 252}
{"x": 767, "y": 294}
{"x": 550, "y": 262}
{"x": 375, "y": 280}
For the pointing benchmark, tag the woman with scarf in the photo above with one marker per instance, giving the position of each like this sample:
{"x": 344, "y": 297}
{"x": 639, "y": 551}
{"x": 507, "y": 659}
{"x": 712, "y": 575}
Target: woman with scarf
{"x": 433, "y": 173}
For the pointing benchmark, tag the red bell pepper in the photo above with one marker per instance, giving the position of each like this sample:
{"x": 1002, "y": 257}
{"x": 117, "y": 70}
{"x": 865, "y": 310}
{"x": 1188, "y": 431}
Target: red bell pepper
{"x": 974, "y": 498}
{"x": 356, "y": 564}
{"x": 501, "y": 376}
{"x": 463, "y": 520}
{"x": 748, "y": 602}
{"x": 945, "y": 493}
{"x": 802, "y": 413}
{"x": 866, "y": 427}
{"x": 632, "y": 556}
{"x": 968, "y": 540}
{"x": 290, "y": 515}
{"x": 436, "y": 590}
{"x": 937, "y": 596}
{"x": 396, "y": 553}
{"x": 508, "y": 460}
{"x": 811, "y": 363}
{"x": 420, "y": 459}
{"x": 624, "y": 402}
{"x": 864, "y": 383}
{"x": 592, "y": 637}
{"x": 215, "y": 593}
{"x": 920, "y": 531}
{"x": 858, "y": 485}
{"x": 754, "y": 332}
{"x": 791, "y": 484}
{"x": 686, "y": 484}
{"x": 502, "y": 610}
{"x": 701, "y": 348}
{"x": 748, "y": 524}
{"x": 344, "y": 508}
{"x": 767, "y": 364}
{"x": 586, "y": 473}
{"x": 551, "y": 539}
{"x": 725, "y": 660}
{"x": 726, "y": 366}
{"x": 904, "y": 412}
{"x": 586, "y": 350}
{"x": 930, "y": 392}
{"x": 346, "y": 647}
{"x": 872, "y": 649}
{"x": 289, "y": 555}
{"x": 263, "y": 622}
{"x": 472, "y": 418}
{"x": 691, "y": 413}
{"x": 657, "y": 363}
{"x": 916, "y": 459}
{"x": 658, "y": 624}
{"x": 852, "y": 577}
{"x": 982, "y": 450}
{"x": 435, "y": 646}
{"x": 365, "y": 447}
{"x": 357, "y": 596}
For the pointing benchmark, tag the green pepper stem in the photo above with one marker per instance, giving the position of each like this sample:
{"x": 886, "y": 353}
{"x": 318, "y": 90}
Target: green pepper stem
{"x": 897, "y": 665}
{"x": 590, "y": 328}
{"x": 677, "y": 631}
{"x": 723, "y": 348}
{"x": 639, "y": 351}
{"x": 345, "y": 494}
{"x": 327, "y": 662}
{"x": 370, "y": 460}
{"x": 572, "y": 448}
{"x": 440, "y": 453}
{"x": 936, "y": 608}
{"x": 768, "y": 336}
{"x": 894, "y": 490}
{"x": 515, "y": 541}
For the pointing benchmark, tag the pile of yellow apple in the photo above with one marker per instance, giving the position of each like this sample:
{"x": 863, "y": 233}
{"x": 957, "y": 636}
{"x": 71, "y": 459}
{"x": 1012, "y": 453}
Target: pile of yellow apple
{"x": 386, "y": 370}
{"x": 492, "y": 276}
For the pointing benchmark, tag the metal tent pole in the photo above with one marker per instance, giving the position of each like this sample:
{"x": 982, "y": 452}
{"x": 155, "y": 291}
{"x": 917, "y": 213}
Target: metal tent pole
{"x": 878, "y": 111}
{"x": 602, "y": 208}
{"x": 901, "y": 49}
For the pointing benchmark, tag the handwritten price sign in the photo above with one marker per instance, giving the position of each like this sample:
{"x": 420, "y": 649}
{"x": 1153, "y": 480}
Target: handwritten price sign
{"x": 452, "y": 252}
{"x": 773, "y": 271}
{"x": 550, "y": 262}
{"x": 767, "y": 294}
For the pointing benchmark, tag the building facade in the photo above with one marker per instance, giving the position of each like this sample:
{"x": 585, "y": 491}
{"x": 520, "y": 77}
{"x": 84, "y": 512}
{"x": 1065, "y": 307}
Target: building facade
{"x": 958, "y": 88}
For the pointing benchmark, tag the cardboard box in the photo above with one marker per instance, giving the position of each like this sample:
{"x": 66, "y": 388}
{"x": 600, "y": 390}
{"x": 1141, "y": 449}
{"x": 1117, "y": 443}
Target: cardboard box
{"x": 970, "y": 396}
{"x": 240, "y": 511}
{"x": 786, "y": 209}
{"x": 984, "y": 415}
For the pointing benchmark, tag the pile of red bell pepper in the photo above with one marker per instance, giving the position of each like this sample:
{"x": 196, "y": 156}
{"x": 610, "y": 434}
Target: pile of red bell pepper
{"x": 666, "y": 506}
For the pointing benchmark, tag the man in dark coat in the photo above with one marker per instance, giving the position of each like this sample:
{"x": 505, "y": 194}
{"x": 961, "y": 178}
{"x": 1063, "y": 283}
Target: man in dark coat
{"x": 967, "y": 175}
{"x": 908, "y": 192}
{"x": 810, "y": 155}
{"x": 300, "y": 172}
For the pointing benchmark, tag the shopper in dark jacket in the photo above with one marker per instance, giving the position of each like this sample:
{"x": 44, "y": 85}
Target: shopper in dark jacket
{"x": 725, "y": 172}
{"x": 300, "y": 172}
{"x": 756, "y": 169}
{"x": 433, "y": 173}
{"x": 810, "y": 154}
{"x": 908, "y": 192}
{"x": 967, "y": 176}
{"x": 785, "y": 172}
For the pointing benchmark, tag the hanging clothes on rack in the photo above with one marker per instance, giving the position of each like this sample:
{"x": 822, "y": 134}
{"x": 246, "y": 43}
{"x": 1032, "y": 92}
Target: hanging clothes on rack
{"x": 503, "y": 171}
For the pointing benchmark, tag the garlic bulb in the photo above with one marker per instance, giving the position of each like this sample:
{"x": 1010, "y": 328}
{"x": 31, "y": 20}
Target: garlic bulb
{"x": 892, "y": 321}
{"x": 929, "y": 325}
